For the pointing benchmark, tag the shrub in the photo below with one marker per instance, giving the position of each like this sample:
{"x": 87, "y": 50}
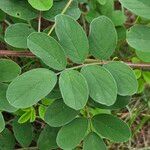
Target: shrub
{"x": 66, "y": 100}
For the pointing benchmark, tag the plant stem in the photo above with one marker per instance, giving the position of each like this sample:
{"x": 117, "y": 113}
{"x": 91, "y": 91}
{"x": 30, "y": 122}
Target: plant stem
{"x": 67, "y": 6}
{"x": 63, "y": 11}
{"x": 7, "y": 22}
{"x": 16, "y": 53}
{"x": 4, "y": 53}
{"x": 39, "y": 22}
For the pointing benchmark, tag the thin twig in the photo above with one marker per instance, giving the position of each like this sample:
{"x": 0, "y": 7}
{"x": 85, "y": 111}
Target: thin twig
{"x": 7, "y": 22}
{"x": 63, "y": 11}
{"x": 39, "y": 22}
{"x": 16, "y": 53}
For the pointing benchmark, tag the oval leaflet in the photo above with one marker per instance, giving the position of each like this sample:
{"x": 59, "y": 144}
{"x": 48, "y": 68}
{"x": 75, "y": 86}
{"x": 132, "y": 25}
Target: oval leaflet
{"x": 27, "y": 89}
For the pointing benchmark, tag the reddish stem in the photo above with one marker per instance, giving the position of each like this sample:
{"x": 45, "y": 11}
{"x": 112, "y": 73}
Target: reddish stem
{"x": 145, "y": 66}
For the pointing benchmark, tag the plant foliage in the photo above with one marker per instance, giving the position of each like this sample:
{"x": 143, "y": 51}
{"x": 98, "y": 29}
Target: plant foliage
{"x": 77, "y": 71}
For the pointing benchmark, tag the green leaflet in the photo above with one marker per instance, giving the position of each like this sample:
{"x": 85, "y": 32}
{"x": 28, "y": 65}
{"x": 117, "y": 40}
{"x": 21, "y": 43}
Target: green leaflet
{"x": 111, "y": 127}
{"x": 27, "y": 89}
{"x": 2, "y": 123}
{"x": 102, "y": 86}
{"x": 124, "y": 76}
{"x": 121, "y": 102}
{"x": 2, "y": 15}
{"x": 118, "y": 17}
{"x": 57, "y": 8}
{"x": 72, "y": 37}
{"x": 41, "y": 5}
{"x": 93, "y": 142}
{"x": 47, "y": 138}
{"x": 138, "y": 73}
{"x": 102, "y": 2}
{"x": 108, "y": 8}
{"x": 121, "y": 31}
{"x": 8, "y": 70}
{"x": 25, "y": 117}
{"x": 42, "y": 111}
{"x": 33, "y": 114}
{"x": 144, "y": 56}
{"x": 23, "y": 133}
{"x": 102, "y": 38}
{"x": 48, "y": 50}
{"x": 138, "y": 37}
{"x": 4, "y": 104}
{"x": 16, "y": 35}
{"x": 19, "y": 9}
{"x": 146, "y": 76}
{"x": 58, "y": 114}
{"x": 74, "y": 89}
{"x": 139, "y": 7}
{"x": 70, "y": 135}
{"x": 7, "y": 140}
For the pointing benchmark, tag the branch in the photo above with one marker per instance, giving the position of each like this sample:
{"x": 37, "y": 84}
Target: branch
{"x": 16, "y": 53}
{"x": 144, "y": 66}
